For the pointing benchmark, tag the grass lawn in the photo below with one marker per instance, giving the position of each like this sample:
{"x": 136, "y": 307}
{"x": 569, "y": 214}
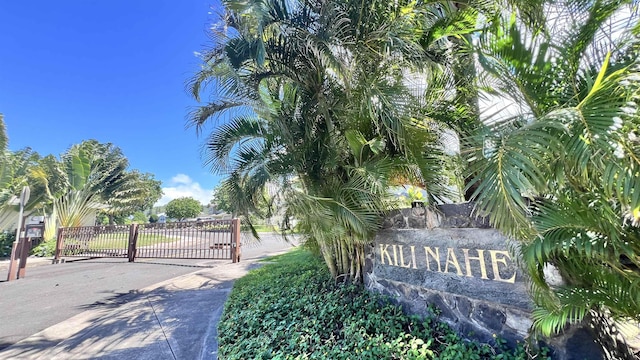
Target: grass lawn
{"x": 263, "y": 228}
{"x": 291, "y": 308}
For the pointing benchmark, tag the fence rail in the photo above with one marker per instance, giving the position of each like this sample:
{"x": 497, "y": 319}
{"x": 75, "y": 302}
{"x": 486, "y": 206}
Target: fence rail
{"x": 214, "y": 239}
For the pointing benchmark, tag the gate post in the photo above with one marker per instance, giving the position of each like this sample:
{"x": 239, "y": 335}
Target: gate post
{"x": 133, "y": 240}
{"x": 59, "y": 245}
{"x": 235, "y": 241}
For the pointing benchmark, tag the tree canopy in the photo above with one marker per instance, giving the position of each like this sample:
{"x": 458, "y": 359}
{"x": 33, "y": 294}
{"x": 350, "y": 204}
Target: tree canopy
{"x": 138, "y": 192}
{"x": 221, "y": 200}
{"x": 92, "y": 177}
{"x": 88, "y": 177}
{"x": 183, "y": 208}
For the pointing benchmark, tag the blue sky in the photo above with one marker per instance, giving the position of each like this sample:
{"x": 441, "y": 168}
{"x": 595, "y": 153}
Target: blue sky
{"x": 114, "y": 71}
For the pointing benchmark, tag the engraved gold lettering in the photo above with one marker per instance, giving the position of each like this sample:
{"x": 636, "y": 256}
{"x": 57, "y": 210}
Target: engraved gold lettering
{"x": 494, "y": 263}
{"x": 384, "y": 250}
{"x": 479, "y": 258}
{"x": 501, "y": 261}
{"x": 402, "y": 264}
{"x": 413, "y": 256}
{"x": 435, "y": 255}
{"x": 451, "y": 259}
{"x": 395, "y": 255}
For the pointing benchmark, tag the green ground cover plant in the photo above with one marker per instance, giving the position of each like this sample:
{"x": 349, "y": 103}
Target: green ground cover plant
{"x": 292, "y": 308}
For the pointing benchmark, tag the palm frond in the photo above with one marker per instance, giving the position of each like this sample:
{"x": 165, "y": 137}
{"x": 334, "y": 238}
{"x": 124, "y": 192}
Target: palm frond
{"x": 512, "y": 165}
{"x": 246, "y": 132}
{"x": 3, "y": 136}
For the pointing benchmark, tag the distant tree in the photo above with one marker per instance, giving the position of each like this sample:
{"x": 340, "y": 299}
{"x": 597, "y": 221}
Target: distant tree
{"x": 139, "y": 191}
{"x": 221, "y": 199}
{"x": 159, "y": 209}
{"x": 102, "y": 219}
{"x": 152, "y": 190}
{"x": 153, "y": 218}
{"x": 139, "y": 218}
{"x": 184, "y": 207}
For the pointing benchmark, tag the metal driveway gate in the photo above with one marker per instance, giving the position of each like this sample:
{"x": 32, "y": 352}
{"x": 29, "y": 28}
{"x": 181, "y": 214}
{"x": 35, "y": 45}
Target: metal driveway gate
{"x": 213, "y": 239}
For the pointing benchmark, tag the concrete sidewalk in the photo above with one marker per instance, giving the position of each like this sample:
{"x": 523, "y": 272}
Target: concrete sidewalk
{"x": 32, "y": 261}
{"x": 174, "y": 319}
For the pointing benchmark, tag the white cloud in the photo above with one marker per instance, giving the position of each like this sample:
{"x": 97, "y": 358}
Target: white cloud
{"x": 182, "y": 185}
{"x": 181, "y": 179}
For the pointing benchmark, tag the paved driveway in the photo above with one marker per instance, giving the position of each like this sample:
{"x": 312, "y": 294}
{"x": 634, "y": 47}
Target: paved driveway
{"x": 50, "y": 294}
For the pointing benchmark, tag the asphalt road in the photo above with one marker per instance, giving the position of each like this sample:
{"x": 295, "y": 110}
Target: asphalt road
{"x": 50, "y": 294}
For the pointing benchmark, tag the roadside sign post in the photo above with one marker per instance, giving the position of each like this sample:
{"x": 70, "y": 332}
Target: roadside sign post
{"x": 24, "y": 246}
{"x": 16, "y": 249}
{"x": 31, "y": 231}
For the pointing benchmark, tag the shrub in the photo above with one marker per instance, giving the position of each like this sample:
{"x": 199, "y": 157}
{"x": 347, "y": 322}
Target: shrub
{"x": 45, "y": 248}
{"x": 6, "y": 242}
{"x": 292, "y": 309}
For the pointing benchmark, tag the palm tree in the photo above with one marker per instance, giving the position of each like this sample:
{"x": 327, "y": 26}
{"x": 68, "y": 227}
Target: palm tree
{"x": 452, "y": 94}
{"x": 135, "y": 191}
{"x": 3, "y": 135}
{"x": 90, "y": 176}
{"x": 14, "y": 175}
{"x": 559, "y": 172}
{"x": 312, "y": 98}
{"x": 5, "y": 178}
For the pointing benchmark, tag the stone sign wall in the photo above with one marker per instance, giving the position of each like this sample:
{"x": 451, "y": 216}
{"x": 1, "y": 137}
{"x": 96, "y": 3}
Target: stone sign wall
{"x": 458, "y": 264}
{"x": 471, "y": 262}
